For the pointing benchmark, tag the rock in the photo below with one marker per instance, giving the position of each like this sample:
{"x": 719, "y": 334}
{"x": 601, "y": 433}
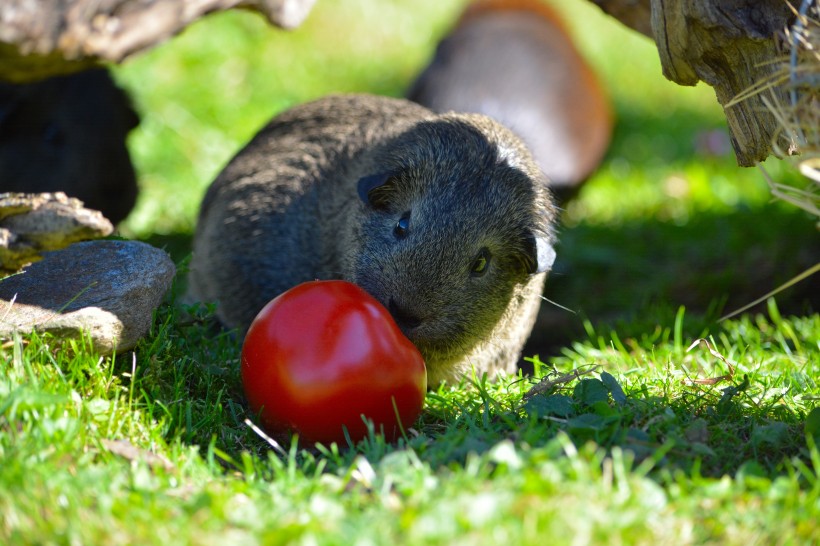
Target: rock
{"x": 35, "y": 223}
{"x": 108, "y": 289}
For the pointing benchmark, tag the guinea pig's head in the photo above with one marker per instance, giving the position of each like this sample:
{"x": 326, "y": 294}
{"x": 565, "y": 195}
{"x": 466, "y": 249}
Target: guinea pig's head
{"x": 457, "y": 218}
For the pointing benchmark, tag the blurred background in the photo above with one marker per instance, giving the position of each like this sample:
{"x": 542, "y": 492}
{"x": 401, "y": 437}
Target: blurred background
{"x": 668, "y": 220}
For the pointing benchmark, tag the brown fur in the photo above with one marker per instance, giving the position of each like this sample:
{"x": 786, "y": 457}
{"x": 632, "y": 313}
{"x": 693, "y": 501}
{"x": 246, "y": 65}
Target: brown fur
{"x": 515, "y": 61}
{"x": 320, "y": 193}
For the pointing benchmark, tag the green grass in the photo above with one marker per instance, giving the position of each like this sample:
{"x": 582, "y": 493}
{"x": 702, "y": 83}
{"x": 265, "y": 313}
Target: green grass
{"x": 650, "y": 441}
{"x": 634, "y": 452}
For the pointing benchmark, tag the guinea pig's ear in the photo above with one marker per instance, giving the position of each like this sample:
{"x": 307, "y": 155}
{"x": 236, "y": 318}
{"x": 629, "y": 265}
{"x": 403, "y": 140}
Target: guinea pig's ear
{"x": 541, "y": 255}
{"x": 376, "y": 189}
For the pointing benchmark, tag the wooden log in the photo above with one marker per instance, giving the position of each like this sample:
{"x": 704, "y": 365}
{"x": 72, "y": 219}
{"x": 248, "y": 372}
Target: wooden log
{"x": 731, "y": 45}
{"x": 42, "y": 38}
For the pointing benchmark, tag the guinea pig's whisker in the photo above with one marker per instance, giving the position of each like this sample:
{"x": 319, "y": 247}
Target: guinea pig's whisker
{"x": 558, "y": 305}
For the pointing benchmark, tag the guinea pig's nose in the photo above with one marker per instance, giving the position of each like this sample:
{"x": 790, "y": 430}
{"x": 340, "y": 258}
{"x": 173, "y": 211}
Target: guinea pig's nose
{"x": 404, "y": 318}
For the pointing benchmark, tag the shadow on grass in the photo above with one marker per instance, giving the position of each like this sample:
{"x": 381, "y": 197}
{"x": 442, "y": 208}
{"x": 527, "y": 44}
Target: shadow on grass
{"x": 177, "y": 245}
{"x": 635, "y": 276}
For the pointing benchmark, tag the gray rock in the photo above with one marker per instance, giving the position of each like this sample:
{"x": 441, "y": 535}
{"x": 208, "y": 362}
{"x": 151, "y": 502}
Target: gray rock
{"x": 34, "y": 223}
{"x": 108, "y": 289}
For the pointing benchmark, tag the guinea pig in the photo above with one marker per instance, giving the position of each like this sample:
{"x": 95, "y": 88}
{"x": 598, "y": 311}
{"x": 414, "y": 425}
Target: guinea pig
{"x": 445, "y": 219}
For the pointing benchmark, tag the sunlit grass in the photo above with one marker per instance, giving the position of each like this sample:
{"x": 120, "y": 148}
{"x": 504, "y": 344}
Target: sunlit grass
{"x": 657, "y": 440}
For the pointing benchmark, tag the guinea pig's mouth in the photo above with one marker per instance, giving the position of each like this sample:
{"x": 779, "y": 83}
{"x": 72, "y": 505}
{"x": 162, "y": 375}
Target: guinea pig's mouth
{"x": 406, "y": 319}
{"x": 435, "y": 344}
{"x": 436, "y": 335}
{"x": 441, "y": 360}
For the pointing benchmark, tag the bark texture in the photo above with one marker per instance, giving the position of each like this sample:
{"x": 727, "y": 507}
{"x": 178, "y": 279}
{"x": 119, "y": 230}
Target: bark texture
{"x": 731, "y": 45}
{"x": 42, "y": 38}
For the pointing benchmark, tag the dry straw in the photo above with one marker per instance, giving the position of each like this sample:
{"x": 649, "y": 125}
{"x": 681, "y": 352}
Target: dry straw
{"x": 792, "y": 95}
{"x": 796, "y": 106}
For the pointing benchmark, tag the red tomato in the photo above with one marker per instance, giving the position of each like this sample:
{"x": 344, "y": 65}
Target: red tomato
{"x": 325, "y": 353}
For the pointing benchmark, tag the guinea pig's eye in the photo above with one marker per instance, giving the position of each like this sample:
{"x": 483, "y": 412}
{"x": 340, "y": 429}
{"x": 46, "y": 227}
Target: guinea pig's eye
{"x": 402, "y": 226}
{"x": 480, "y": 263}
